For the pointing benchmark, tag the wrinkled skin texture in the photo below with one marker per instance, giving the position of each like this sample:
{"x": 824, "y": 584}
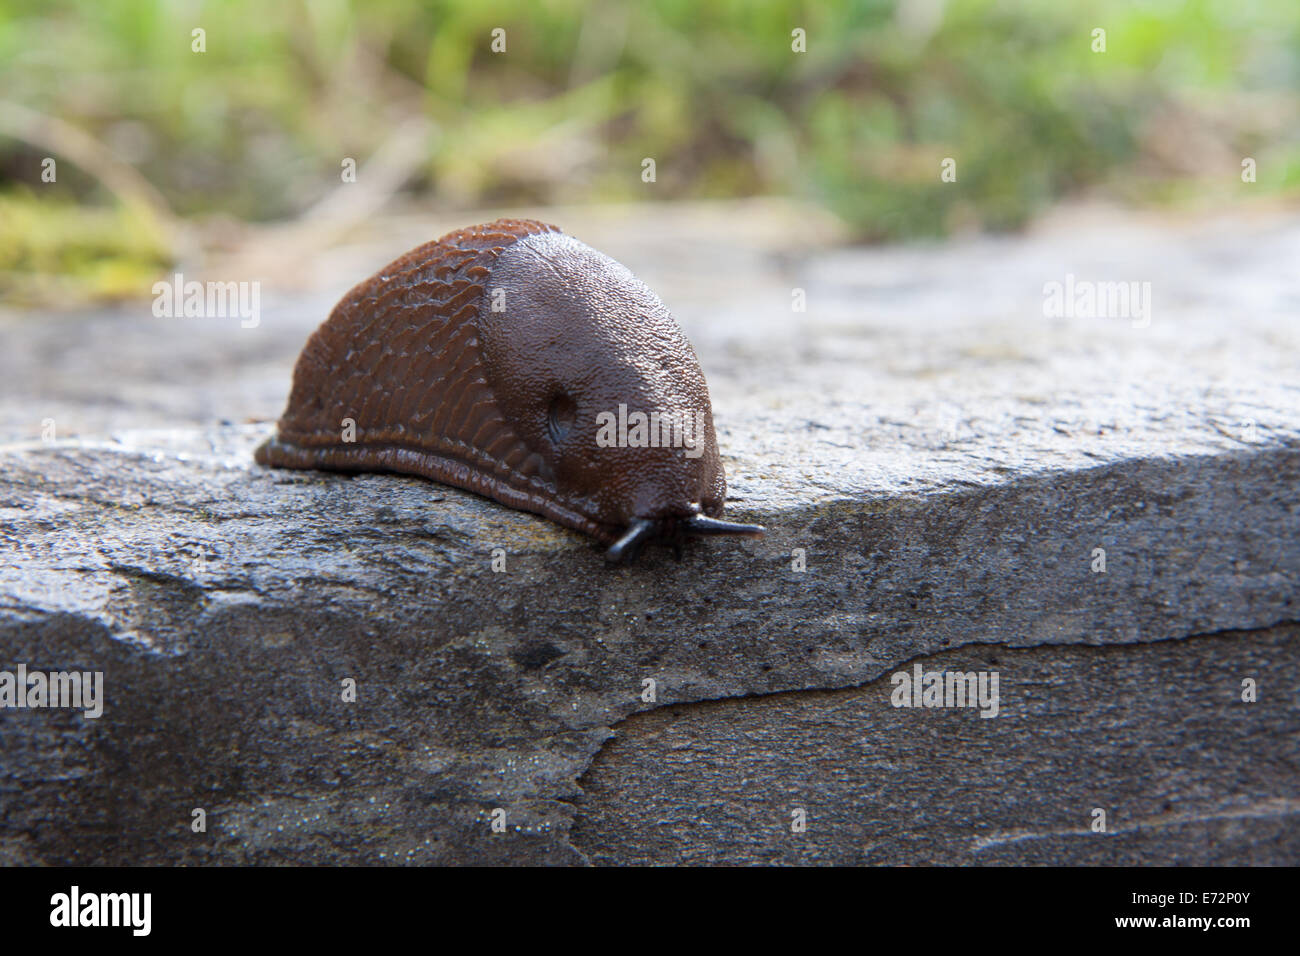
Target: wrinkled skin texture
{"x": 580, "y": 335}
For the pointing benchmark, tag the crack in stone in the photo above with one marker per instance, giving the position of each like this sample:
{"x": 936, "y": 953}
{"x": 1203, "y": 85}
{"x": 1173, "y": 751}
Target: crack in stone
{"x": 1275, "y": 807}
{"x": 1271, "y": 808}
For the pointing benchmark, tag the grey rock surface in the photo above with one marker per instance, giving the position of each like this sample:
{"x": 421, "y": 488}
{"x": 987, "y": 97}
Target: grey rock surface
{"x": 947, "y": 459}
{"x": 1154, "y": 735}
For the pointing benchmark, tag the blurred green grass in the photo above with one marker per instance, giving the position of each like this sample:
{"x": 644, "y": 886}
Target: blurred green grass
{"x": 256, "y": 127}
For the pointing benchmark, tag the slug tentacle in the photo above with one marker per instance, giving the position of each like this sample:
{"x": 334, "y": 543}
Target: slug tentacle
{"x": 674, "y": 531}
{"x": 703, "y": 524}
{"x": 511, "y": 360}
{"x": 626, "y": 548}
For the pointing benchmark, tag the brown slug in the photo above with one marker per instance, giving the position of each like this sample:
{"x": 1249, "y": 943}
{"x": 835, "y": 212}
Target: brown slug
{"x": 512, "y": 360}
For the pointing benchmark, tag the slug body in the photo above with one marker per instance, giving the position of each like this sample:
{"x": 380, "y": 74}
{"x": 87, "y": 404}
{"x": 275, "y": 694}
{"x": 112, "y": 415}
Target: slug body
{"x": 509, "y": 359}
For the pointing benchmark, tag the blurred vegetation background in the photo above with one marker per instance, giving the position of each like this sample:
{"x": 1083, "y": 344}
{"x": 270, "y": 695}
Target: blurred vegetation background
{"x": 154, "y": 141}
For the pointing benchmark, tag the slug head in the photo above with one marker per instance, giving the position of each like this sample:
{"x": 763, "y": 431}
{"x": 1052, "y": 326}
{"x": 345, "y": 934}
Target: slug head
{"x": 592, "y": 371}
